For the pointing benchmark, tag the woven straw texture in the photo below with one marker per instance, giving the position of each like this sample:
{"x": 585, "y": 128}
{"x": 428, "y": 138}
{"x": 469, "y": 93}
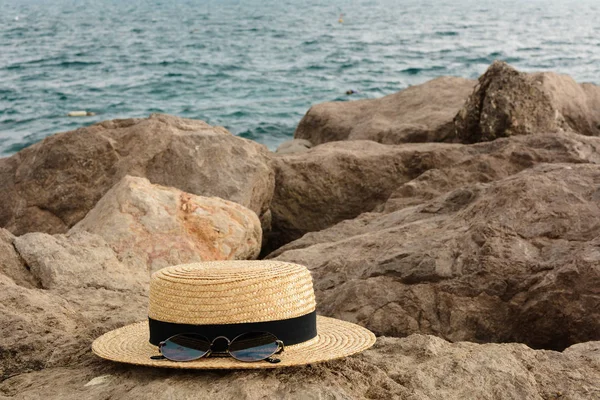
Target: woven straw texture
{"x": 336, "y": 339}
{"x": 231, "y": 292}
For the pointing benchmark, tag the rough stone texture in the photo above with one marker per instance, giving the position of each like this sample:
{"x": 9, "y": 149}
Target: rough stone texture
{"x": 36, "y": 329}
{"x": 512, "y": 260}
{"x": 495, "y": 160}
{"x": 337, "y": 181}
{"x": 507, "y": 102}
{"x": 421, "y": 113}
{"x": 522, "y": 250}
{"x": 79, "y": 259}
{"x": 294, "y": 146}
{"x": 11, "y": 263}
{"x": 504, "y": 102}
{"x": 45, "y": 338}
{"x": 81, "y": 291}
{"x": 415, "y": 368}
{"x": 152, "y": 226}
{"x": 52, "y": 185}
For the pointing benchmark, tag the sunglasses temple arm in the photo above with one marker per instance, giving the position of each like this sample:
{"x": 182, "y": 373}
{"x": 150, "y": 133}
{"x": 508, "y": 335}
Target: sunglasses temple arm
{"x": 160, "y": 357}
{"x": 281, "y": 347}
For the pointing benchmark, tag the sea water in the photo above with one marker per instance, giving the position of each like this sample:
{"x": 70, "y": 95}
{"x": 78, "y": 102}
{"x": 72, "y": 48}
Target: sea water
{"x": 256, "y": 66}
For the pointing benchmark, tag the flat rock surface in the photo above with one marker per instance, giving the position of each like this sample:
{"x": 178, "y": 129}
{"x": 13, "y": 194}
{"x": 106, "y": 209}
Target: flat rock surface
{"x": 53, "y": 184}
{"x": 153, "y": 226}
{"x": 77, "y": 260}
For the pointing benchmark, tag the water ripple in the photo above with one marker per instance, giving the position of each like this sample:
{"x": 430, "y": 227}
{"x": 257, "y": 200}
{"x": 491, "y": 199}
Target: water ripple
{"x": 256, "y": 66}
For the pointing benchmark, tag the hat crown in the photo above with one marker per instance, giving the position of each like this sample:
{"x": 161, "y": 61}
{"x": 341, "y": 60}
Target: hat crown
{"x": 230, "y": 292}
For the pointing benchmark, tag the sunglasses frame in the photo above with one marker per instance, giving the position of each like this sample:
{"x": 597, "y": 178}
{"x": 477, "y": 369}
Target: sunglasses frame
{"x": 280, "y": 348}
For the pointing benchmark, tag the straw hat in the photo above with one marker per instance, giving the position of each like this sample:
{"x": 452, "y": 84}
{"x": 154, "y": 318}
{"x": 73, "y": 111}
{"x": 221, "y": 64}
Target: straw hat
{"x": 271, "y": 295}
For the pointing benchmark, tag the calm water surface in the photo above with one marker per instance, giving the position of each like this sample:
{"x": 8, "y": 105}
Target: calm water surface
{"x": 256, "y": 66}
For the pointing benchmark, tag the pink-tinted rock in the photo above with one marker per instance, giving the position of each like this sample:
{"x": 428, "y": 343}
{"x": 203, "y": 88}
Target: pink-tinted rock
{"x": 153, "y": 226}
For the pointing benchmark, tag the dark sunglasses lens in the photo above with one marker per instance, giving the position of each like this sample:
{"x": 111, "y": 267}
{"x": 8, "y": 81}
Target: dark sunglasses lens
{"x": 253, "y": 346}
{"x": 185, "y": 347}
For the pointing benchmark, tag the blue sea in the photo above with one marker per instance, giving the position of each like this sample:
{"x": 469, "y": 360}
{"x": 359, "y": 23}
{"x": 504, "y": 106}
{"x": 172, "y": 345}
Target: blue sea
{"x": 256, "y": 66}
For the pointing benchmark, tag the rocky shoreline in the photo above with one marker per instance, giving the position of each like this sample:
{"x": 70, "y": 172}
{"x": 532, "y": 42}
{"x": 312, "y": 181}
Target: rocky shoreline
{"x": 456, "y": 219}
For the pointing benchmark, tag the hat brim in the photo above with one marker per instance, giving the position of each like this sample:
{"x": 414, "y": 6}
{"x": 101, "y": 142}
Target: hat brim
{"x": 335, "y": 339}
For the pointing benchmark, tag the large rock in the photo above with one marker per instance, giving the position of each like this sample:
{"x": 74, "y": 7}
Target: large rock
{"x": 52, "y": 185}
{"x": 155, "y": 226}
{"x": 507, "y": 102}
{"x": 337, "y": 181}
{"x": 512, "y": 260}
{"x": 421, "y": 113}
{"x": 504, "y": 102}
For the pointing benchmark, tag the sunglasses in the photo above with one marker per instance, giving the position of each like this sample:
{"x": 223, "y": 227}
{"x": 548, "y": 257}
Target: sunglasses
{"x": 247, "y": 347}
